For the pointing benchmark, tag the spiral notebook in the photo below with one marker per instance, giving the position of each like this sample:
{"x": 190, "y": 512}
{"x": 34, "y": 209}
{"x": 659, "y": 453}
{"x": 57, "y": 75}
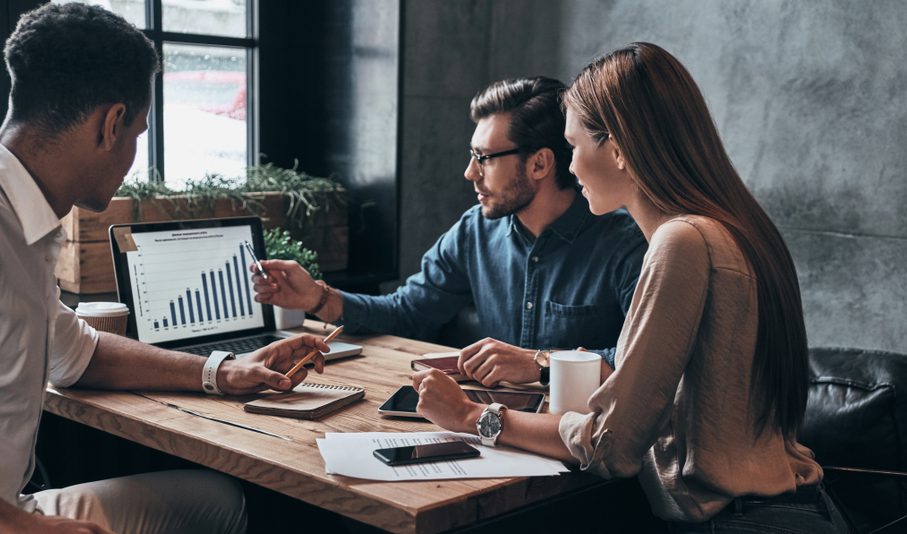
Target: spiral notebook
{"x": 306, "y": 401}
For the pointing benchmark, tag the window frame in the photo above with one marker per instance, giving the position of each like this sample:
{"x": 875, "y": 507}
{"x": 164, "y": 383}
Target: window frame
{"x": 157, "y": 35}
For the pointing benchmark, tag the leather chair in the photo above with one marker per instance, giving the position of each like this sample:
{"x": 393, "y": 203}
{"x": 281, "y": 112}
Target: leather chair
{"x": 856, "y": 423}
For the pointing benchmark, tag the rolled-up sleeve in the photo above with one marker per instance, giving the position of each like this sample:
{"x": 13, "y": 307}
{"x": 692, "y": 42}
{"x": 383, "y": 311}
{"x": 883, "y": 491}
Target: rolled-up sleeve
{"x": 632, "y": 407}
{"x": 73, "y": 345}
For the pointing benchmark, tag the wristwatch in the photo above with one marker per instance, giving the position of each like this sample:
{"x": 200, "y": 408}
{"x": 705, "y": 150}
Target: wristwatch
{"x": 491, "y": 423}
{"x": 209, "y": 372}
{"x": 542, "y": 358}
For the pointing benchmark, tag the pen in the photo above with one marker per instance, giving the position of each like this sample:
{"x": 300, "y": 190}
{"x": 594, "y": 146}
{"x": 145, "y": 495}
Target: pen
{"x": 261, "y": 270}
{"x": 313, "y": 352}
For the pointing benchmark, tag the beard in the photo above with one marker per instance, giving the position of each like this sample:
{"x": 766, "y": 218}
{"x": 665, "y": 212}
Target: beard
{"x": 514, "y": 197}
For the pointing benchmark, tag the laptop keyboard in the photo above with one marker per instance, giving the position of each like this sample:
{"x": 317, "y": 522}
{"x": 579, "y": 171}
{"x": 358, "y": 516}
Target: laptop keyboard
{"x": 236, "y": 346}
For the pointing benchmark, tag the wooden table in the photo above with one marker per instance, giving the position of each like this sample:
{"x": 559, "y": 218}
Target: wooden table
{"x": 292, "y": 465}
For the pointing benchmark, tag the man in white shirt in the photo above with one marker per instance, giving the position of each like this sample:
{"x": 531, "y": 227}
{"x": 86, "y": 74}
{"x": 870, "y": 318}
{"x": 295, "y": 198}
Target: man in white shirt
{"x": 81, "y": 89}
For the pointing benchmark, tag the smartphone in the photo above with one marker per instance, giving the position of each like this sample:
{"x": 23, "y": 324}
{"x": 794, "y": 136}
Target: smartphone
{"x": 403, "y": 402}
{"x": 433, "y": 452}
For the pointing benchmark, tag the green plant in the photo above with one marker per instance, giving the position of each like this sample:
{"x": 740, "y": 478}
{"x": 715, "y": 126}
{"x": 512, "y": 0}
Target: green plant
{"x": 280, "y": 245}
{"x": 303, "y": 191}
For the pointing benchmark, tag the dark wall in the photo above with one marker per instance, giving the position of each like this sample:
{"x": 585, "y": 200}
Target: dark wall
{"x": 10, "y": 10}
{"x": 808, "y": 96}
{"x": 329, "y": 100}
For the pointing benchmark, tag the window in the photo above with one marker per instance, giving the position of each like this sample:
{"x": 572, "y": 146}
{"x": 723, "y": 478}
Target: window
{"x": 201, "y": 119}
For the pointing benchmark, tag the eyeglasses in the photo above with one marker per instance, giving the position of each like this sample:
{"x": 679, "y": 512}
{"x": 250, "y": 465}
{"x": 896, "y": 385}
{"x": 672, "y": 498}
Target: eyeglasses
{"x": 482, "y": 158}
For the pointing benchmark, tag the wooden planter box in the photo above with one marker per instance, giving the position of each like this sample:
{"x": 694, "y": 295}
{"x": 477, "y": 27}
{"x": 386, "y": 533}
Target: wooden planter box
{"x": 86, "y": 266}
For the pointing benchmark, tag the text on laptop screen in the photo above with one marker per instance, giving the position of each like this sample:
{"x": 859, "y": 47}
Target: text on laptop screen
{"x": 192, "y": 282}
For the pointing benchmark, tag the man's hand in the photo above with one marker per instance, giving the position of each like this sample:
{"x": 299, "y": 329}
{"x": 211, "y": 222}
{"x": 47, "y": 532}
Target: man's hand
{"x": 442, "y": 402}
{"x": 606, "y": 370}
{"x": 265, "y": 367}
{"x": 490, "y": 361}
{"x": 14, "y": 520}
{"x": 61, "y": 525}
{"x": 288, "y": 285}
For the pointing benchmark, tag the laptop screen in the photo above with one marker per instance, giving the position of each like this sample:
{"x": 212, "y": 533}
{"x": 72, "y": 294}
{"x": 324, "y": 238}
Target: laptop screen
{"x": 189, "y": 282}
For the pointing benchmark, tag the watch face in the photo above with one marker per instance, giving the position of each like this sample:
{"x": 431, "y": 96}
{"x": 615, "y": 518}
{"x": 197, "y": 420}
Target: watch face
{"x": 545, "y": 358}
{"x": 489, "y": 425}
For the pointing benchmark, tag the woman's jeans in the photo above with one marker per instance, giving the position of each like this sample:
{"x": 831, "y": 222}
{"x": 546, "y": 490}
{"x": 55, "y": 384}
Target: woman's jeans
{"x": 809, "y": 511}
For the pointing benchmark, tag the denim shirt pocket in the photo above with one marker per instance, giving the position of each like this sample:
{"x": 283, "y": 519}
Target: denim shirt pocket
{"x": 557, "y": 309}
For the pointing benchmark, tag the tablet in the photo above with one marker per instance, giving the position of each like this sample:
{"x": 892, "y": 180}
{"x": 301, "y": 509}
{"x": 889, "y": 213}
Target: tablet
{"x": 403, "y": 402}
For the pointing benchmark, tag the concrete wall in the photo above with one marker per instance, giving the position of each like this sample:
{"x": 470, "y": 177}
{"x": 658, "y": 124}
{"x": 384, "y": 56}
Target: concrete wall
{"x": 809, "y": 98}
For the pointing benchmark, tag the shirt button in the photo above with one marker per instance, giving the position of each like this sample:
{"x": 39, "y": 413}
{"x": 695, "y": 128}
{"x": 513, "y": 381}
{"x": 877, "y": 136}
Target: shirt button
{"x": 528, "y": 305}
{"x": 535, "y": 259}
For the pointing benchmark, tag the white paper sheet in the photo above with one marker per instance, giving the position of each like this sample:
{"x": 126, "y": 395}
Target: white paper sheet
{"x": 350, "y": 454}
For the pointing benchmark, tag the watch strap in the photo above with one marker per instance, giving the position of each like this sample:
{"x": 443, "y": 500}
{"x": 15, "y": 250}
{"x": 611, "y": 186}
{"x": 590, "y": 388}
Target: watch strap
{"x": 209, "y": 371}
{"x": 497, "y": 409}
{"x": 544, "y": 369}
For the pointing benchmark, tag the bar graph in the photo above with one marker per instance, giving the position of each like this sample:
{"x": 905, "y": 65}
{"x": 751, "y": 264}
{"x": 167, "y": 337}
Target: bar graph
{"x": 186, "y": 310}
{"x": 193, "y": 282}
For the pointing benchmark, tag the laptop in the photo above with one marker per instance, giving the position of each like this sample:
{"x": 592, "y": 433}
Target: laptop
{"x": 188, "y": 286}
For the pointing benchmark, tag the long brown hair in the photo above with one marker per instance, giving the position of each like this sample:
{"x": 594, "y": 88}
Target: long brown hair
{"x": 647, "y": 101}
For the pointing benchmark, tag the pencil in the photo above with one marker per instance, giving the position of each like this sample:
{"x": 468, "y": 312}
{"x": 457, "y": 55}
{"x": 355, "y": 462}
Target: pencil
{"x": 312, "y": 353}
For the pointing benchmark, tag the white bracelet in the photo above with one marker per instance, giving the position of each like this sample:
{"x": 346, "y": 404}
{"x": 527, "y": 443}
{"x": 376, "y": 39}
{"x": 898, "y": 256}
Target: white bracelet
{"x": 209, "y": 372}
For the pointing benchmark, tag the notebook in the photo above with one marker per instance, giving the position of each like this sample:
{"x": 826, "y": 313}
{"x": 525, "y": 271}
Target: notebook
{"x": 306, "y": 401}
{"x": 188, "y": 286}
{"x": 443, "y": 361}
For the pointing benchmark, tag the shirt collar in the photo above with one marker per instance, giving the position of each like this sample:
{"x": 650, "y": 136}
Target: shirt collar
{"x": 568, "y": 225}
{"x": 34, "y": 212}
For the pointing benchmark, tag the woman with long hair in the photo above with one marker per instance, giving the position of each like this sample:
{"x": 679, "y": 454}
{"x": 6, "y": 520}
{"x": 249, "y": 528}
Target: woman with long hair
{"x": 710, "y": 383}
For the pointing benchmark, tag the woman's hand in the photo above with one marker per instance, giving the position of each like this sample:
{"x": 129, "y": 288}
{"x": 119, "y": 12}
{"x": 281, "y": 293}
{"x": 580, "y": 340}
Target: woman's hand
{"x": 265, "y": 367}
{"x": 442, "y": 402}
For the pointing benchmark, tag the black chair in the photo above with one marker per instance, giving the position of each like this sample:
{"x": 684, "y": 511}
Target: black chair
{"x": 40, "y": 480}
{"x": 856, "y": 423}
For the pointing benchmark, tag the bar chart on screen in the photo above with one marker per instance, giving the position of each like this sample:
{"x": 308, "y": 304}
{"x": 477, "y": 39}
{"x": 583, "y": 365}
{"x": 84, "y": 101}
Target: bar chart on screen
{"x": 193, "y": 281}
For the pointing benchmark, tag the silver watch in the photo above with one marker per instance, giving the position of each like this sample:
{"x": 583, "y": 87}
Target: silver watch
{"x": 491, "y": 423}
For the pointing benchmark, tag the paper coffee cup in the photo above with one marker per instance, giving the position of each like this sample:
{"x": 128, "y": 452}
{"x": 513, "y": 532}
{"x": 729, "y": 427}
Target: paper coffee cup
{"x": 575, "y": 375}
{"x": 104, "y": 316}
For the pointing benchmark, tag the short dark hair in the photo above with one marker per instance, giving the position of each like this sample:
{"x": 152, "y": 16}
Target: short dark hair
{"x": 65, "y": 60}
{"x": 537, "y": 119}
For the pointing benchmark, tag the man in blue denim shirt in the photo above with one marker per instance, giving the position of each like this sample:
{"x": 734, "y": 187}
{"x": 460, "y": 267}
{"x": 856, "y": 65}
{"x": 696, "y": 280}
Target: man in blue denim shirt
{"x": 540, "y": 269}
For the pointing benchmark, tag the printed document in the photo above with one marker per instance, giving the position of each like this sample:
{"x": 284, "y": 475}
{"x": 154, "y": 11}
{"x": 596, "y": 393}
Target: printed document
{"x": 350, "y": 454}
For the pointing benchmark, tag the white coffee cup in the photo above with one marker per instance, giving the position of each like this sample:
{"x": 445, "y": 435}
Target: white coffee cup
{"x": 575, "y": 375}
{"x": 105, "y": 316}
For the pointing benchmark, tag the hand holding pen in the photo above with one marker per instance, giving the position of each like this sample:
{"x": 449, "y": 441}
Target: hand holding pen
{"x": 261, "y": 270}
{"x": 290, "y": 286}
{"x": 314, "y": 352}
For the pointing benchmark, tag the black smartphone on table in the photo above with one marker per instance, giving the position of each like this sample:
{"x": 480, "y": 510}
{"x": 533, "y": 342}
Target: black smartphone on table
{"x": 433, "y": 452}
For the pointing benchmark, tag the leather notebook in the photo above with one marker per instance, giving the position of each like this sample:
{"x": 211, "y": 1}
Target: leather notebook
{"x": 306, "y": 401}
{"x": 446, "y": 364}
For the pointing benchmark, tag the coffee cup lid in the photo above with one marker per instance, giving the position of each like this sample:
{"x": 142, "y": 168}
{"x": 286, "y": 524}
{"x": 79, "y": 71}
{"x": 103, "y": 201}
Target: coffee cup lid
{"x": 102, "y": 309}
